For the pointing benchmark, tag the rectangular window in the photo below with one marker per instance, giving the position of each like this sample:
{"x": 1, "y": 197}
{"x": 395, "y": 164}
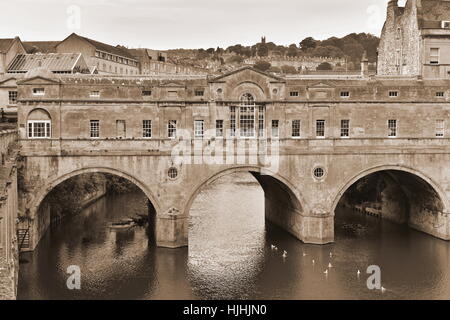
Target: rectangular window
{"x": 440, "y": 94}
{"x": 94, "y": 94}
{"x": 393, "y": 94}
{"x": 440, "y": 128}
{"x": 12, "y": 97}
{"x": 345, "y": 128}
{"x": 294, "y": 94}
{"x": 199, "y": 128}
{"x": 434, "y": 55}
{"x": 95, "y": 128}
{"x": 172, "y": 129}
{"x": 275, "y": 128}
{"x": 445, "y": 24}
{"x": 38, "y": 91}
{"x": 219, "y": 128}
{"x": 147, "y": 128}
{"x": 121, "y": 129}
{"x": 199, "y": 93}
{"x": 247, "y": 121}
{"x": 345, "y": 94}
{"x": 233, "y": 121}
{"x": 392, "y": 128}
{"x": 261, "y": 120}
{"x": 296, "y": 128}
{"x": 146, "y": 93}
{"x": 320, "y": 128}
{"x": 39, "y": 129}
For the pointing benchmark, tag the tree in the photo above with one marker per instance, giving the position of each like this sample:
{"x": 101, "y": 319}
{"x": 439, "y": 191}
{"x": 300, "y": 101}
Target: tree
{"x": 289, "y": 69}
{"x": 292, "y": 51}
{"x": 308, "y": 43}
{"x": 262, "y": 65}
{"x": 263, "y": 50}
{"x": 235, "y": 60}
{"x": 325, "y": 66}
{"x": 210, "y": 51}
{"x": 327, "y": 51}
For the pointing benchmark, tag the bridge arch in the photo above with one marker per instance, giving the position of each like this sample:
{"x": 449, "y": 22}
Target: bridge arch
{"x": 293, "y": 195}
{"x": 417, "y": 173}
{"x": 36, "y": 202}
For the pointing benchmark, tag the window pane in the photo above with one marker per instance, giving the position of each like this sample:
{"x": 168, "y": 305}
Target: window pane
{"x": 219, "y": 128}
{"x": 320, "y": 128}
{"x": 172, "y": 129}
{"x": 296, "y": 128}
{"x": 147, "y": 128}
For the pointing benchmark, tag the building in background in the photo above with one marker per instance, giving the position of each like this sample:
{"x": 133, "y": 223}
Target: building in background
{"x": 40, "y": 46}
{"x": 9, "y": 49}
{"x": 105, "y": 58}
{"x": 59, "y": 63}
{"x": 415, "y": 40}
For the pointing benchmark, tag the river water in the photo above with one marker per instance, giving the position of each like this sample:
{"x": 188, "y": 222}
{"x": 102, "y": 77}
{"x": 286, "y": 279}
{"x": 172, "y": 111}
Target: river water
{"x": 230, "y": 255}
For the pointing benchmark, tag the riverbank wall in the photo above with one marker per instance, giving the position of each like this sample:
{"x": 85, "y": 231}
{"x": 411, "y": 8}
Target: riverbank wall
{"x": 9, "y": 257}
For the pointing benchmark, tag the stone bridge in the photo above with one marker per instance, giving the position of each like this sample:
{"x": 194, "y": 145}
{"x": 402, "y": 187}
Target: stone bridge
{"x": 305, "y": 140}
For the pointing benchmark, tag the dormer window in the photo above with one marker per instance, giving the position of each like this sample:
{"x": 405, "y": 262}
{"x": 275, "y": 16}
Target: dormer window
{"x": 38, "y": 91}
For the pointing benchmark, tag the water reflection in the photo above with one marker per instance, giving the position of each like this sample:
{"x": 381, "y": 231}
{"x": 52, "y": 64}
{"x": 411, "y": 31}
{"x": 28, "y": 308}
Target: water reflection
{"x": 230, "y": 256}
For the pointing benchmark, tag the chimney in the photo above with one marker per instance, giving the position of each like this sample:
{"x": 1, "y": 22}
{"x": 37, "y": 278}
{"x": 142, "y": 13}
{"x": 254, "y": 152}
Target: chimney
{"x": 392, "y": 10}
{"x": 365, "y": 65}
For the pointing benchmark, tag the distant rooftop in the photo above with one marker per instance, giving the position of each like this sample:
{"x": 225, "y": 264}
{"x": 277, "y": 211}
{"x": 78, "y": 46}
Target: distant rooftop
{"x": 54, "y": 62}
{"x": 40, "y": 46}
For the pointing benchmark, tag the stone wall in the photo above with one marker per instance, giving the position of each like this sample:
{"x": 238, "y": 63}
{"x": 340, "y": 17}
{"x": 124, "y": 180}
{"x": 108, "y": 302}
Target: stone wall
{"x": 9, "y": 260}
{"x": 399, "y": 49}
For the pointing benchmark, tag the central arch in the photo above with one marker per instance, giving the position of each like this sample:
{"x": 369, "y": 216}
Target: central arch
{"x": 285, "y": 206}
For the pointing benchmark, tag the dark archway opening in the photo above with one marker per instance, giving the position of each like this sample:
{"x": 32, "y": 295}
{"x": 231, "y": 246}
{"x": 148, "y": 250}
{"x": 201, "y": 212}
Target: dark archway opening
{"x": 79, "y": 194}
{"x": 396, "y": 196}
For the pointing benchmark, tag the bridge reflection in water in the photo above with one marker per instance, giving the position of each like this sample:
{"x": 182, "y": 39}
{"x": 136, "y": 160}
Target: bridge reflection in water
{"x": 230, "y": 255}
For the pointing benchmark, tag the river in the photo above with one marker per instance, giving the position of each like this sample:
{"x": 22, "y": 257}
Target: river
{"x": 230, "y": 255}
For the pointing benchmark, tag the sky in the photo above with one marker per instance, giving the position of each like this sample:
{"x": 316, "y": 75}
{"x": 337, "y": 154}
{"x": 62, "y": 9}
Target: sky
{"x": 171, "y": 24}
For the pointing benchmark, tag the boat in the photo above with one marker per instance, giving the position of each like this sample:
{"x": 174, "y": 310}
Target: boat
{"x": 122, "y": 225}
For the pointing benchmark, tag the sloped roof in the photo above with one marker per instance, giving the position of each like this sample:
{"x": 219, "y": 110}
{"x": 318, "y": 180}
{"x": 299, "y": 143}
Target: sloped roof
{"x": 118, "y": 50}
{"x": 40, "y": 46}
{"x": 55, "y": 62}
{"x": 5, "y": 44}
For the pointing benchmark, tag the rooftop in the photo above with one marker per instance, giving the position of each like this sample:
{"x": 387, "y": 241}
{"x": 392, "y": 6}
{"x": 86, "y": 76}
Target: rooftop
{"x": 54, "y": 62}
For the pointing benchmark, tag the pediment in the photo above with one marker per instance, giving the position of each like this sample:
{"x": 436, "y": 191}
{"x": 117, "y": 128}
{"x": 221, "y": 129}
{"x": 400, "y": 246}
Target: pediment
{"x": 247, "y": 72}
{"x": 8, "y": 82}
{"x": 321, "y": 85}
{"x": 39, "y": 80}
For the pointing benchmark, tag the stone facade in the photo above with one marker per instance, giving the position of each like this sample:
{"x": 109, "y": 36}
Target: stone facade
{"x": 287, "y": 178}
{"x": 9, "y": 259}
{"x": 415, "y": 40}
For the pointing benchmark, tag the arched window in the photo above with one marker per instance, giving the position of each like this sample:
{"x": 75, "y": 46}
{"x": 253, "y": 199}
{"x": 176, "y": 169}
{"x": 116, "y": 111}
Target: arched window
{"x": 39, "y": 124}
{"x": 247, "y": 100}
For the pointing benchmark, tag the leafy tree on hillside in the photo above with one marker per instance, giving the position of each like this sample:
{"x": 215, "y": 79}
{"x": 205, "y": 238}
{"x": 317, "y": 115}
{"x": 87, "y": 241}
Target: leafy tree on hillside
{"x": 308, "y": 43}
{"x": 262, "y": 65}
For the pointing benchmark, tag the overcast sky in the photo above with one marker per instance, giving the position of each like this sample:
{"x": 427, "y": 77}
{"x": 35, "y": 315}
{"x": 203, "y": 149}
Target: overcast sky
{"x": 167, "y": 24}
